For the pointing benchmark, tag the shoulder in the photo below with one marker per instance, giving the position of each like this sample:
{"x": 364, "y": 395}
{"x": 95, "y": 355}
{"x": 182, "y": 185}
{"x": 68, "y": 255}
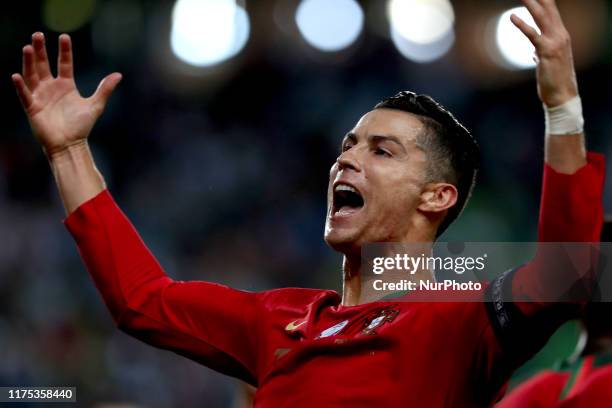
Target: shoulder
{"x": 297, "y": 297}
{"x": 449, "y": 304}
{"x": 450, "y": 312}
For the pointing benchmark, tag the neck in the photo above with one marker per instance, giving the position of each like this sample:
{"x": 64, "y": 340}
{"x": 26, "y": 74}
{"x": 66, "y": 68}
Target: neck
{"x": 351, "y": 284}
{"x": 359, "y": 283}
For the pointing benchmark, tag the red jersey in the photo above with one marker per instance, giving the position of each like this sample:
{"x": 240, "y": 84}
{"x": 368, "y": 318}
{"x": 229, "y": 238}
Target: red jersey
{"x": 302, "y": 348}
{"x": 584, "y": 384}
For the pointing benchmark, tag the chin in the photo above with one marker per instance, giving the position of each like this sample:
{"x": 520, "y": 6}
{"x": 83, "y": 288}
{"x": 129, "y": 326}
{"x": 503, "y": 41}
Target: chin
{"x": 345, "y": 242}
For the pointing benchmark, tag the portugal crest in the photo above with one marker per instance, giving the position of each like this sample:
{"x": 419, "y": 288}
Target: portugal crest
{"x": 383, "y": 316}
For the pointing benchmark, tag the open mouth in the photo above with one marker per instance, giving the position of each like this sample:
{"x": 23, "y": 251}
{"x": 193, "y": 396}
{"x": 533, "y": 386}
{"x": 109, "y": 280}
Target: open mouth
{"x": 347, "y": 200}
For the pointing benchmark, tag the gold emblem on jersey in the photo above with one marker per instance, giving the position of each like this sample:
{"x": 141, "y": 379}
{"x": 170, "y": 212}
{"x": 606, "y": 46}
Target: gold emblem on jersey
{"x": 294, "y": 325}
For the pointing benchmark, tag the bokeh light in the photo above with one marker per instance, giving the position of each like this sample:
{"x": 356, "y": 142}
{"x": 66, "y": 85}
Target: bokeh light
{"x": 329, "y": 25}
{"x": 423, "y": 53}
{"x": 421, "y": 21}
{"x": 67, "y": 15}
{"x": 422, "y": 30}
{"x": 516, "y": 50}
{"x": 208, "y": 32}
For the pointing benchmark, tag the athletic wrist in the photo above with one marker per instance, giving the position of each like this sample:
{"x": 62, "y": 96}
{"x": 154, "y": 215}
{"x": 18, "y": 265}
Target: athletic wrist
{"x": 76, "y": 175}
{"x": 67, "y": 152}
{"x": 565, "y": 119}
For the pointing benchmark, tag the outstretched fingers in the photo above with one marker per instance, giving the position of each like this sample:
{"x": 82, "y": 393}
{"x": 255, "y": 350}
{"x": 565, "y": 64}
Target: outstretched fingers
{"x": 526, "y": 29}
{"x": 539, "y": 13}
{"x": 28, "y": 67}
{"x": 104, "y": 91}
{"x": 25, "y": 96}
{"x": 546, "y": 15}
{"x": 551, "y": 7}
{"x": 64, "y": 58}
{"x": 42, "y": 62}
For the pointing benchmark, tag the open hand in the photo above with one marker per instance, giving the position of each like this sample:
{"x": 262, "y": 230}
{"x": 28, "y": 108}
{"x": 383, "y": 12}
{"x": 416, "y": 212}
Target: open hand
{"x": 58, "y": 114}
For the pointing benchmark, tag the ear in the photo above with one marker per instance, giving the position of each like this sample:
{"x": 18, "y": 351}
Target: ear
{"x": 438, "y": 197}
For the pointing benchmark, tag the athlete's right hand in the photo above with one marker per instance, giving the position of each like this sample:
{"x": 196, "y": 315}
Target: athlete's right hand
{"x": 59, "y": 116}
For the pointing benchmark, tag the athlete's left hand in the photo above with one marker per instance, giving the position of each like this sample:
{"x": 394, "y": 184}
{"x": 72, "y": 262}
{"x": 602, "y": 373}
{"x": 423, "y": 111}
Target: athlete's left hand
{"x": 555, "y": 64}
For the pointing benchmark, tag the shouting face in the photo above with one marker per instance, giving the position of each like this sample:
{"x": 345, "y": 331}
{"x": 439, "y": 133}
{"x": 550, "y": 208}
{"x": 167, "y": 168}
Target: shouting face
{"x": 377, "y": 183}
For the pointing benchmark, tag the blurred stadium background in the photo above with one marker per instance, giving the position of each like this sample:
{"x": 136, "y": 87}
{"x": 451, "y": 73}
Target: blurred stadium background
{"x": 218, "y": 143}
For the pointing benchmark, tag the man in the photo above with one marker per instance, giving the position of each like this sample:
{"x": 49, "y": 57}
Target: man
{"x": 584, "y": 379}
{"x": 405, "y": 171}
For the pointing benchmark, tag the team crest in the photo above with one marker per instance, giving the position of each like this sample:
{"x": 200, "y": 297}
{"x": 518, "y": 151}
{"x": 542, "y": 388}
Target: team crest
{"x": 382, "y": 317}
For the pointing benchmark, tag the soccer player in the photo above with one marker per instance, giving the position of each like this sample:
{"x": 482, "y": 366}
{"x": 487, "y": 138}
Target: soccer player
{"x": 405, "y": 172}
{"x": 585, "y": 379}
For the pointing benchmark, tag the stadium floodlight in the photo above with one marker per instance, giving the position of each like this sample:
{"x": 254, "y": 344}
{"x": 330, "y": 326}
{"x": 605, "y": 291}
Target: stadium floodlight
{"x": 329, "y": 25}
{"x": 422, "y": 30}
{"x": 423, "y": 53}
{"x": 516, "y": 50}
{"x": 421, "y": 21}
{"x": 208, "y": 32}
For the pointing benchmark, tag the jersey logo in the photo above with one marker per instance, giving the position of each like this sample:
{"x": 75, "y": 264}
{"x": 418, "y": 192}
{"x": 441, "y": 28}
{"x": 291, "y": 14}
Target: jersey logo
{"x": 335, "y": 329}
{"x": 292, "y": 326}
{"x": 384, "y": 316}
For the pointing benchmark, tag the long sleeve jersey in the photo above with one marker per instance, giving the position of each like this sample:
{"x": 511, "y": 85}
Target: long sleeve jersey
{"x": 303, "y": 348}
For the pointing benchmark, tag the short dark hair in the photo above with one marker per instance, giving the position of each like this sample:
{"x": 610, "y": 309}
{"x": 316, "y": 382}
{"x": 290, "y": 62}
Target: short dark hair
{"x": 454, "y": 155}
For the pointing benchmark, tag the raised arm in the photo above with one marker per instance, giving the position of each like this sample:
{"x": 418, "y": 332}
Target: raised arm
{"x": 61, "y": 119}
{"x": 212, "y": 324}
{"x": 571, "y": 208}
{"x": 529, "y": 303}
{"x": 557, "y": 86}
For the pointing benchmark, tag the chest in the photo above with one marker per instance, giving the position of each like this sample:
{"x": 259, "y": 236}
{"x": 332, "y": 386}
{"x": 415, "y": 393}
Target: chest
{"x": 379, "y": 356}
{"x": 379, "y": 340}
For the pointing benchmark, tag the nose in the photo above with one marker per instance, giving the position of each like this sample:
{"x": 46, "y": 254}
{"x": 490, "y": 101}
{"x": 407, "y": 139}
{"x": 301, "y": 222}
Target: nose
{"x": 348, "y": 160}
